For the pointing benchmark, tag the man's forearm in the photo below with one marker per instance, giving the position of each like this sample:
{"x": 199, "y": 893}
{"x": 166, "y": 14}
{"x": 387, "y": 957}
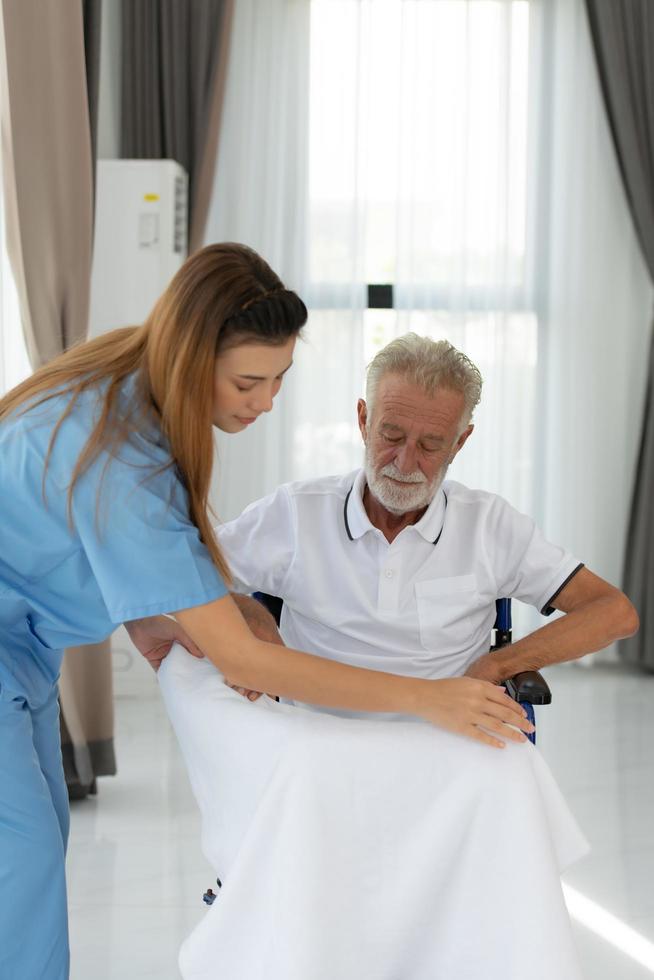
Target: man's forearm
{"x": 591, "y": 626}
{"x": 258, "y": 618}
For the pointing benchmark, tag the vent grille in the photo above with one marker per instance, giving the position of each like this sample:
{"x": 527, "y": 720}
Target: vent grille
{"x": 181, "y": 215}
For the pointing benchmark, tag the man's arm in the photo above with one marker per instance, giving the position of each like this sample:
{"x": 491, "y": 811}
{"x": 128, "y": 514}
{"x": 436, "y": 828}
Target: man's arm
{"x": 259, "y": 545}
{"x": 597, "y": 614}
{"x": 154, "y": 636}
{"x": 263, "y": 626}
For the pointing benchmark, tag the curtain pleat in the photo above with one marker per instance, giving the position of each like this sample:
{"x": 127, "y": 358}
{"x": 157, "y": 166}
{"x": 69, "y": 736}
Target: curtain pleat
{"x": 48, "y": 172}
{"x": 92, "y": 12}
{"x": 49, "y": 120}
{"x": 173, "y": 79}
{"x": 623, "y": 39}
{"x": 87, "y": 717}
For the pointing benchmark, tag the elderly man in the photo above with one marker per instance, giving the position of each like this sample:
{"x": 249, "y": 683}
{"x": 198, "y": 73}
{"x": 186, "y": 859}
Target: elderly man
{"x": 384, "y": 848}
{"x": 393, "y": 567}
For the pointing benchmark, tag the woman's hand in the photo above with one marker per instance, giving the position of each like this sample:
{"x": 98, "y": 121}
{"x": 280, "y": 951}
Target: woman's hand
{"x": 153, "y": 637}
{"x": 475, "y": 708}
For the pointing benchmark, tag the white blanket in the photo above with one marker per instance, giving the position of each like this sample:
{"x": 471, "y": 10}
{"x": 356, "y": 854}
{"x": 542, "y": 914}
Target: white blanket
{"x": 368, "y": 850}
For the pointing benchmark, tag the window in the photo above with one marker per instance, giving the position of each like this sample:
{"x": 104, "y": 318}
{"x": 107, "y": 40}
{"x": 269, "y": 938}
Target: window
{"x": 418, "y": 166}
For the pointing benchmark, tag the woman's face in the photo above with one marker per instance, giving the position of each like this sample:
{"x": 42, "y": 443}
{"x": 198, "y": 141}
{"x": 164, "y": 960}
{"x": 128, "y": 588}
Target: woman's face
{"x": 246, "y": 380}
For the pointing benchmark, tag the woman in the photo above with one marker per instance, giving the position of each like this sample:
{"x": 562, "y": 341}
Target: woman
{"x": 106, "y": 463}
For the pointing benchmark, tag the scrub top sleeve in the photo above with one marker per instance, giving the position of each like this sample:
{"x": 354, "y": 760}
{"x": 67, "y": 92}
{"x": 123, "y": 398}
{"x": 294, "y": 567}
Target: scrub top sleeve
{"x": 260, "y": 544}
{"x": 528, "y": 567}
{"x": 144, "y": 551}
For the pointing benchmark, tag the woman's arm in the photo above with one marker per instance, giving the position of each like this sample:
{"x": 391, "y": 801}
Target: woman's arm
{"x": 464, "y": 705}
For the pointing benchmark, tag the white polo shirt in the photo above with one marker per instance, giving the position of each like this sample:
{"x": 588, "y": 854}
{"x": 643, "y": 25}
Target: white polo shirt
{"x": 423, "y": 605}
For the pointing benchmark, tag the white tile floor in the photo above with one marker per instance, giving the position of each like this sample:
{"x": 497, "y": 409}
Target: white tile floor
{"x": 136, "y": 874}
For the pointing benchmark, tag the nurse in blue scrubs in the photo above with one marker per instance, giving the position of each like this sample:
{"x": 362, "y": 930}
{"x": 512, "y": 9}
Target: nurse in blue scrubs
{"x": 105, "y": 465}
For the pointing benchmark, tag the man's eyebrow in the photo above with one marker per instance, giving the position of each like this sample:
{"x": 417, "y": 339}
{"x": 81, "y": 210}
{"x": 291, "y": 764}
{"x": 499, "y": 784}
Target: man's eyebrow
{"x": 428, "y": 437}
{"x": 257, "y": 377}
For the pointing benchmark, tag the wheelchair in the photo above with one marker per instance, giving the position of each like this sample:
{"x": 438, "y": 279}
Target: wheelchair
{"x": 529, "y": 688}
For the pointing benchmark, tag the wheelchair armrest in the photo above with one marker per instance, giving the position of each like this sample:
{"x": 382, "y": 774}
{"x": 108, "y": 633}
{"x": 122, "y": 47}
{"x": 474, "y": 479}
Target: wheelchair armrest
{"x": 529, "y": 686}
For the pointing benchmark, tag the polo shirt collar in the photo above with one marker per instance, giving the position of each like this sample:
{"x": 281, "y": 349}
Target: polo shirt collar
{"x": 357, "y": 522}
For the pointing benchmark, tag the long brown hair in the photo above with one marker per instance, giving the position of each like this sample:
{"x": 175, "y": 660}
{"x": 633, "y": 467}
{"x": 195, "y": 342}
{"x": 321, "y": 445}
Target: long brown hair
{"x": 223, "y": 295}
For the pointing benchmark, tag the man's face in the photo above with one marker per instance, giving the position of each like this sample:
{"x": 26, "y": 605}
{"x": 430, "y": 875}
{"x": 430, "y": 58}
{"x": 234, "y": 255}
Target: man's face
{"x": 411, "y": 439}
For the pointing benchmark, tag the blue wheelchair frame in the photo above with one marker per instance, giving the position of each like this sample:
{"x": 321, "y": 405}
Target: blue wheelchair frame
{"x": 529, "y": 687}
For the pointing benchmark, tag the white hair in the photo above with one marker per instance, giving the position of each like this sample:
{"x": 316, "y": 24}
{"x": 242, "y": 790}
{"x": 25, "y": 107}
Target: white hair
{"x": 430, "y": 365}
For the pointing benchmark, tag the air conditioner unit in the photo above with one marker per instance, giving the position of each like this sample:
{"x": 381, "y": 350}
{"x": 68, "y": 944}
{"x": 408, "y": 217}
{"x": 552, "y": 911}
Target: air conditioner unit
{"x": 141, "y": 209}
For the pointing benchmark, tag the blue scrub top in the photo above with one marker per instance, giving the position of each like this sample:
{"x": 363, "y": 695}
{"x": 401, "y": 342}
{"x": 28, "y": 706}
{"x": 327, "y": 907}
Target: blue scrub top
{"x": 139, "y": 554}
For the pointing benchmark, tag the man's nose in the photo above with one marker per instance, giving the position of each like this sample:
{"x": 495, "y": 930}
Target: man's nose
{"x": 405, "y": 459}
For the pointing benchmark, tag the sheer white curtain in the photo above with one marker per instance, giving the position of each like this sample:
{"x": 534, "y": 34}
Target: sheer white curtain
{"x": 595, "y": 303}
{"x": 457, "y": 149}
{"x": 382, "y": 141}
{"x": 418, "y": 178}
{"x": 596, "y": 307}
{"x": 258, "y": 198}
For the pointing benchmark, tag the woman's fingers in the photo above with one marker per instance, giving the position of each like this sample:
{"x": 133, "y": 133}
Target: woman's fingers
{"x": 499, "y": 705}
{"x": 480, "y": 736}
{"x": 498, "y": 694}
{"x": 506, "y": 731}
{"x": 478, "y": 709}
{"x": 501, "y": 713}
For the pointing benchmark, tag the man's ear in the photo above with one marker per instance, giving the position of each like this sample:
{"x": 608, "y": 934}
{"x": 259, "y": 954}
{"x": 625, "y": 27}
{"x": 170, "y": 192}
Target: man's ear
{"x": 362, "y": 416}
{"x": 460, "y": 442}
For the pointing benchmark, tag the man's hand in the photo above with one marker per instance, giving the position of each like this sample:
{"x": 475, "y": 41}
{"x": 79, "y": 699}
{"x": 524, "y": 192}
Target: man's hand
{"x": 486, "y": 668}
{"x": 264, "y": 627}
{"x": 154, "y": 636}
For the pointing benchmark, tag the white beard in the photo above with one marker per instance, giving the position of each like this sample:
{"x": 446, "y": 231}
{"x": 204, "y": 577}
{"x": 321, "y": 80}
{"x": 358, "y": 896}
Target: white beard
{"x": 414, "y": 493}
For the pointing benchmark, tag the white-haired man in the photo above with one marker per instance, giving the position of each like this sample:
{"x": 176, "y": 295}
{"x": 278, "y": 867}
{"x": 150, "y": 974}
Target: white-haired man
{"x": 395, "y": 568}
{"x": 385, "y": 849}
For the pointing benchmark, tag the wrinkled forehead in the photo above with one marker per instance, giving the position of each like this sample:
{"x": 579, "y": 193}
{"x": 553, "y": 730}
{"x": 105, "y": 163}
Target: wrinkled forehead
{"x": 402, "y": 404}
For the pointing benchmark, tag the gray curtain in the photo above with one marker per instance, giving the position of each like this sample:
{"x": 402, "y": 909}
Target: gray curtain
{"x": 174, "y": 60}
{"x": 86, "y": 683}
{"x": 47, "y": 171}
{"x": 623, "y": 38}
{"x": 92, "y": 14}
{"x": 46, "y": 114}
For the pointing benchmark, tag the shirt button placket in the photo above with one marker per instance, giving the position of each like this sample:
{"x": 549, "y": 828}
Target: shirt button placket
{"x": 388, "y": 590}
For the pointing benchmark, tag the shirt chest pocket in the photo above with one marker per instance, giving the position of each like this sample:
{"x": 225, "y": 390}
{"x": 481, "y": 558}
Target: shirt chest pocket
{"x": 445, "y": 607}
